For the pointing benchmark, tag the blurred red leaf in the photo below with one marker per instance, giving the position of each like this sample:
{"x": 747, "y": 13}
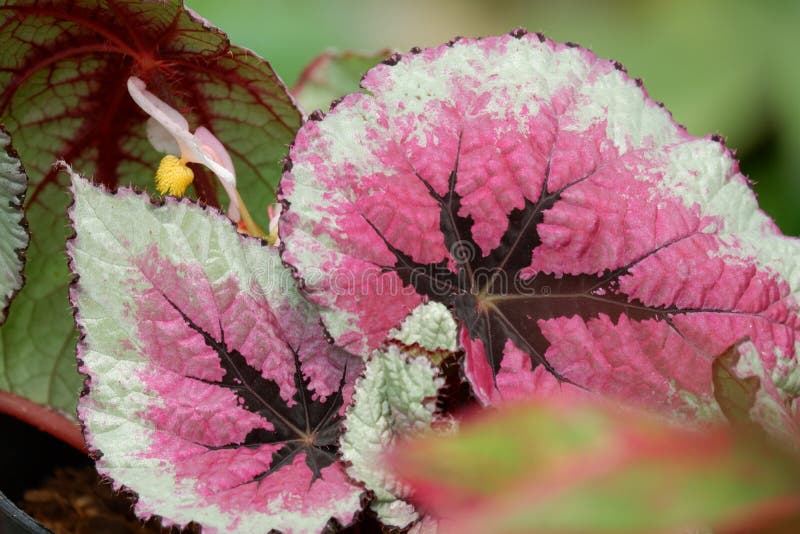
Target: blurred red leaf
{"x": 572, "y": 467}
{"x": 332, "y": 75}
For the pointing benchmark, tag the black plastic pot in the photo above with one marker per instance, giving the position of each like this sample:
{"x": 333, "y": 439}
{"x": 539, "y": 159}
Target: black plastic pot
{"x": 15, "y": 521}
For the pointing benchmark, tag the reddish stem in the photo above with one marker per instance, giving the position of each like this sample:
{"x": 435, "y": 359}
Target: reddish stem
{"x": 43, "y": 418}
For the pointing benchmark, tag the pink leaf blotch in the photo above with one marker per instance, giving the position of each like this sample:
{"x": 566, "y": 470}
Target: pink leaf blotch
{"x": 240, "y": 414}
{"x": 579, "y": 236}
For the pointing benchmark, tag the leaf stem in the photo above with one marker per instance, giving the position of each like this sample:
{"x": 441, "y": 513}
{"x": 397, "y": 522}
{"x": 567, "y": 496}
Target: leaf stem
{"x": 252, "y": 227}
{"x": 43, "y": 418}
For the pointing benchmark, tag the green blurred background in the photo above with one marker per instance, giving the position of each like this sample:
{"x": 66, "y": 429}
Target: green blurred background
{"x": 727, "y": 67}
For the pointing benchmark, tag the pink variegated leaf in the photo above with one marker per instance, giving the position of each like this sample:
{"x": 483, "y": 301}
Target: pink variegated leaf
{"x": 211, "y": 391}
{"x": 582, "y": 239}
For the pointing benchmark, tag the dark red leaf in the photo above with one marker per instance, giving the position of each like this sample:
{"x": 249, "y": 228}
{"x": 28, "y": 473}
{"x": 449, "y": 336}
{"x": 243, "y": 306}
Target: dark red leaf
{"x": 64, "y": 70}
{"x": 64, "y": 65}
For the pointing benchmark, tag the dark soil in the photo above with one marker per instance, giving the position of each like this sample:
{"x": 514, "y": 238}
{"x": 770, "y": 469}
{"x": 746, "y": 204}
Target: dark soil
{"x": 77, "y": 501}
{"x": 59, "y": 487}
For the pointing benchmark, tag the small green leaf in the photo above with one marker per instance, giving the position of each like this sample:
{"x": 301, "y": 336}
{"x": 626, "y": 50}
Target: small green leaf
{"x": 430, "y": 330}
{"x": 332, "y": 75}
{"x": 735, "y": 395}
{"x": 753, "y": 398}
{"x": 13, "y": 228}
{"x": 396, "y": 398}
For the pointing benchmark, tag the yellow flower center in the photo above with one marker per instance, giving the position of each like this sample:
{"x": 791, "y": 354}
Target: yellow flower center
{"x": 173, "y": 176}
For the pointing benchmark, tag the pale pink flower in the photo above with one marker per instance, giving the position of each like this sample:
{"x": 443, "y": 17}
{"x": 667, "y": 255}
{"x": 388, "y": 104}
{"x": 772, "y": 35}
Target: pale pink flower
{"x": 168, "y": 131}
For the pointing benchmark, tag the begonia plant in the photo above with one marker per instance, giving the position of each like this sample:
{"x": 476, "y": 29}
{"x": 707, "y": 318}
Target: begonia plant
{"x": 490, "y": 221}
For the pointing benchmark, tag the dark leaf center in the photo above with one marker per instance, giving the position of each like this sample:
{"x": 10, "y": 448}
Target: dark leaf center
{"x": 492, "y": 296}
{"x": 309, "y": 426}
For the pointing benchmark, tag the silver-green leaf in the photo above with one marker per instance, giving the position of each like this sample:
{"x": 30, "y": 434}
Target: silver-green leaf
{"x": 13, "y": 228}
{"x": 395, "y": 398}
